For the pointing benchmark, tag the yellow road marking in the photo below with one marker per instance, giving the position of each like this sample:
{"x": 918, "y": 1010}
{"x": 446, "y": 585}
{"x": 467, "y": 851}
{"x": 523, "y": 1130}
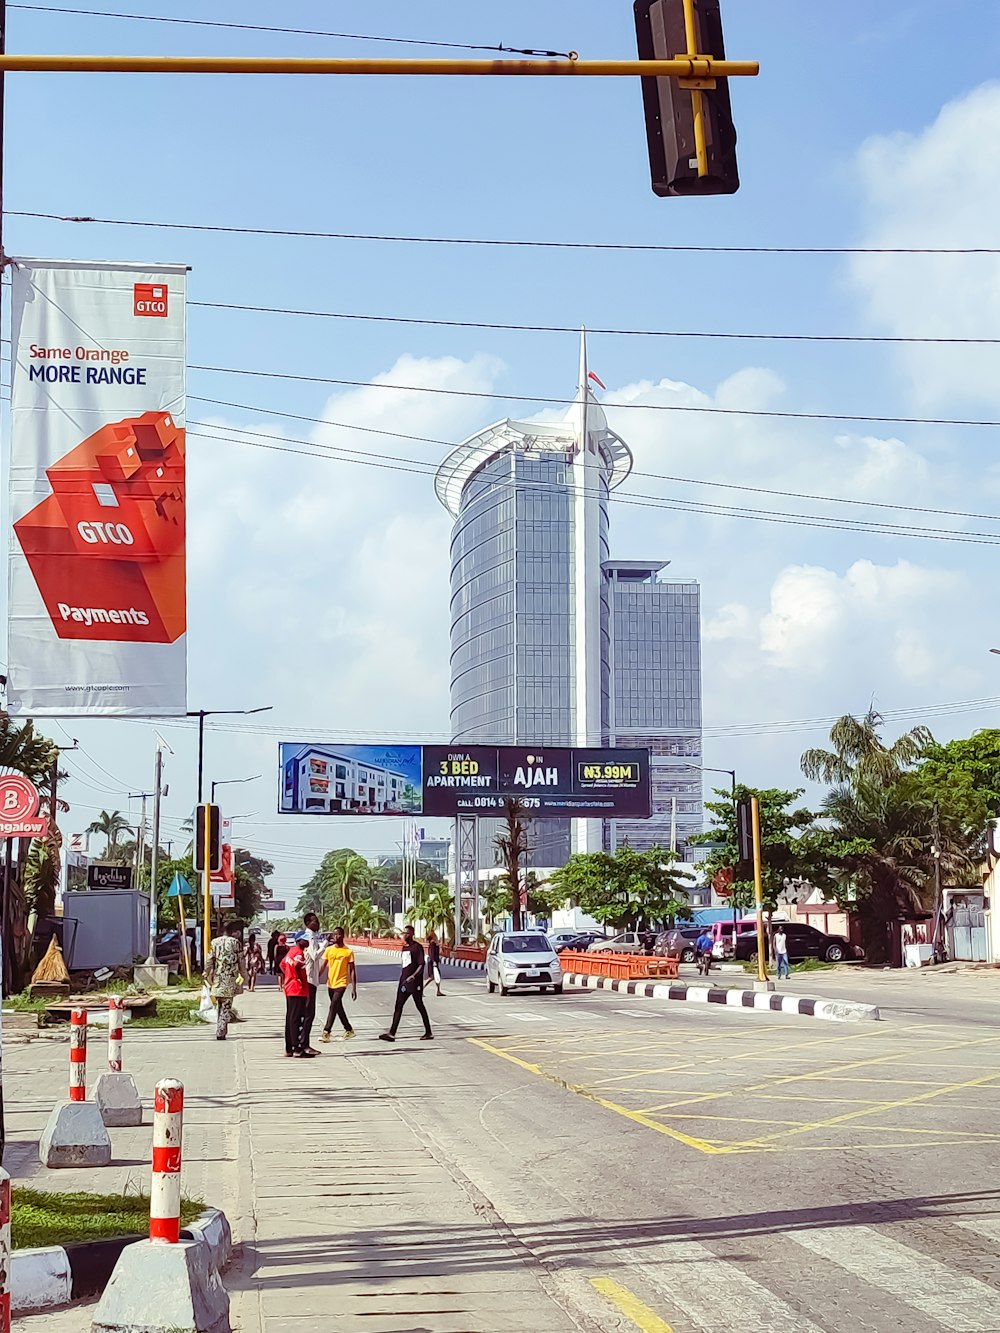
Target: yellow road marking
{"x": 630, "y": 1306}
{"x": 883, "y": 1106}
{"x": 702, "y": 1145}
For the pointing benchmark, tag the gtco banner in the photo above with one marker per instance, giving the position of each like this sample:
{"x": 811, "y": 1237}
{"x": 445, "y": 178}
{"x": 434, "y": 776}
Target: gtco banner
{"x": 97, "y": 606}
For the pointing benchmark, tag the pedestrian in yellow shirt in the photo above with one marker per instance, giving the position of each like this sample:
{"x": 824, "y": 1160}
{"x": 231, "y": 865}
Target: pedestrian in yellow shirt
{"x": 338, "y": 964}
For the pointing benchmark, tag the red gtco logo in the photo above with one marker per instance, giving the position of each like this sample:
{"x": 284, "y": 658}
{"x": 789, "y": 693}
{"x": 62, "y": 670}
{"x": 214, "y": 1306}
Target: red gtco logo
{"x": 150, "y": 299}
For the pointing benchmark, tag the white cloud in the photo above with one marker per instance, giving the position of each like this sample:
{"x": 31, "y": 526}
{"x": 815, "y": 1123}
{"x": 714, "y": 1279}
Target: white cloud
{"x": 940, "y": 187}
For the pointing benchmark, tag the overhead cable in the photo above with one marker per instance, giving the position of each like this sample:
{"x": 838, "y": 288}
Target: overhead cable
{"x": 507, "y": 243}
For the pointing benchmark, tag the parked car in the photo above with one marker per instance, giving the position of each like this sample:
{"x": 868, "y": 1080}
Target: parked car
{"x": 628, "y": 942}
{"x": 522, "y": 960}
{"x": 678, "y": 943}
{"x": 582, "y": 942}
{"x": 560, "y": 939}
{"x": 803, "y": 942}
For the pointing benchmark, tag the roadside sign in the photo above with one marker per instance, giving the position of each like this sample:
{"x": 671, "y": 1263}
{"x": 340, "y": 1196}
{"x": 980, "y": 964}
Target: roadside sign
{"x": 19, "y": 802}
{"x": 273, "y": 905}
{"x": 103, "y": 876}
{"x": 178, "y": 885}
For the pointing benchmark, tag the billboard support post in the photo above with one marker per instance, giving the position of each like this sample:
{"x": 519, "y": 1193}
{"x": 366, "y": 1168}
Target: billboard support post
{"x": 467, "y": 865}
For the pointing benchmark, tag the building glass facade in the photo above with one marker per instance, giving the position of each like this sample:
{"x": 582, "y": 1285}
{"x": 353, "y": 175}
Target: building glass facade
{"x": 552, "y": 642}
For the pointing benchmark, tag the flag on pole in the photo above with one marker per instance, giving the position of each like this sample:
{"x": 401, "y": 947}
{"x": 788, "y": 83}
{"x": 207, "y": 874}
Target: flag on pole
{"x": 596, "y": 379}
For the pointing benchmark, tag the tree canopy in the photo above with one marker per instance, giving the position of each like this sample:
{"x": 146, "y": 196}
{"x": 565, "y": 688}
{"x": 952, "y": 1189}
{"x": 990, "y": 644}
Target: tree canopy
{"x": 624, "y": 888}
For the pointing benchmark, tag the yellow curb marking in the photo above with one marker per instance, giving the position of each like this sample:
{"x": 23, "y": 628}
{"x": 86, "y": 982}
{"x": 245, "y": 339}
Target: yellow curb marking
{"x": 630, "y": 1306}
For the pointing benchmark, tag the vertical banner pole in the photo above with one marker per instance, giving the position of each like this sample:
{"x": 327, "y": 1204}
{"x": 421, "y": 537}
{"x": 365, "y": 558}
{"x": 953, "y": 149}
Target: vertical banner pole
{"x": 758, "y": 889}
{"x": 206, "y": 876}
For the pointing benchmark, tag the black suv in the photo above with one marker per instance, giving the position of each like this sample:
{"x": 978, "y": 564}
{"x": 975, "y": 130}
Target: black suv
{"x": 803, "y": 942}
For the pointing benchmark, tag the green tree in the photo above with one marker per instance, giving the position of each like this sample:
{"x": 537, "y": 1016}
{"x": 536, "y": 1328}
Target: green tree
{"x": 793, "y": 847}
{"x": 965, "y": 775}
{"x": 880, "y": 816}
{"x": 434, "y": 905}
{"x": 110, "y": 825}
{"x": 331, "y": 888}
{"x": 626, "y": 888}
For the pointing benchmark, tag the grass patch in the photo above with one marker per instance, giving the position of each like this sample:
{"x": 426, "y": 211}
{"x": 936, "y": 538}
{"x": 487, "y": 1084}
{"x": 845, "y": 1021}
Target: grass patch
{"x": 39, "y": 1217}
{"x": 807, "y": 965}
{"x": 170, "y": 1014}
{"x": 180, "y": 979}
{"x": 25, "y": 1003}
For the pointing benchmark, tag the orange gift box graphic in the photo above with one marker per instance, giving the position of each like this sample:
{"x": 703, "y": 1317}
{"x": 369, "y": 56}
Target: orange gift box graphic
{"x": 106, "y": 548}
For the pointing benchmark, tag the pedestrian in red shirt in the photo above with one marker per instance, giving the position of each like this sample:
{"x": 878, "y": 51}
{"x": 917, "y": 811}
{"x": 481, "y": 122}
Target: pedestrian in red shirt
{"x": 296, "y": 987}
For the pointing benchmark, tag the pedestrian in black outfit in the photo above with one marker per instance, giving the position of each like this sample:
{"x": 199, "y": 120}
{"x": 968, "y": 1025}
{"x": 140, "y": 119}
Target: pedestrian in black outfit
{"x": 434, "y": 961}
{"x": 272, "y": 944}
{"x": 411, "y": 985}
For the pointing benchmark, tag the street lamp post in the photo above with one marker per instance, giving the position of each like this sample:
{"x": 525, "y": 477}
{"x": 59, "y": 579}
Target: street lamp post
{"x": 227, "y": 782}
{"x": 201, "y": 714}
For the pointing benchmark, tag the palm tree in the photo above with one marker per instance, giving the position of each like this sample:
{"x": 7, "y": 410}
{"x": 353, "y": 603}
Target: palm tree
{"x": 110, "y": 827}
{"x": 350, "y": 873}
{"x": 434, "y": 905}
{"x": 859, "y": 752}
{"x": 21, "y": 751}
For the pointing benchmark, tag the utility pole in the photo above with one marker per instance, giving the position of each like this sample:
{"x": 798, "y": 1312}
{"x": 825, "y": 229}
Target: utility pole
{"x": 936, "y": 854}
{"x": 155, "y": 856}
{"x": 762, "y": 982}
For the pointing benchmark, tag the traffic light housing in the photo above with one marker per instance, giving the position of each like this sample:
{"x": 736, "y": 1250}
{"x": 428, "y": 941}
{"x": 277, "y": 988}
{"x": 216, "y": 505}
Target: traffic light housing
{"x": 214, "y": 822}
{"x": 669, "y": 106}
{"x": 744, "y": 831}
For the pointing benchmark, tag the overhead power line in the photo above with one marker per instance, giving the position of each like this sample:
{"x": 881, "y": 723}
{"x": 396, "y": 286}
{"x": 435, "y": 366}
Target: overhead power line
{"x": 571, "y": 328}
{"x": 295, "y": 32}
{"x": 698, "y": 409}
{"x": 652, "y": 476}
{"x": 509, "y": 243}
{"x": 396, "y": 463}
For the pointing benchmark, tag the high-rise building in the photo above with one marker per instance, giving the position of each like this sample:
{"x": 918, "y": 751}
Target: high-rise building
{"x": 532, "y": 589}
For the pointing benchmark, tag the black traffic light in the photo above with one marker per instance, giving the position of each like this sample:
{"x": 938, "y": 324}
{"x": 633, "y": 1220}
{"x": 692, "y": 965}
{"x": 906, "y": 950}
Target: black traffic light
{"x": 214, "y": 838}
{"x": 744, "y": 831}
{"x": 669, "y": 107}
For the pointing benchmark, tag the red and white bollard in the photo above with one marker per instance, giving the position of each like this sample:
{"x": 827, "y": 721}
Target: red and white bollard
{"x": 165, "y": 1194}
{"x": 78, "y": 1056}
{"x": 115, "y": 1007}
{"x": 4, "y": 1252}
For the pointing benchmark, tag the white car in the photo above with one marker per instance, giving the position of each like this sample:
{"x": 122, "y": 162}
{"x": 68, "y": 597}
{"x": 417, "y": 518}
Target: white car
{"x": 629, "y": 942}
{"x": 522, "y": 960}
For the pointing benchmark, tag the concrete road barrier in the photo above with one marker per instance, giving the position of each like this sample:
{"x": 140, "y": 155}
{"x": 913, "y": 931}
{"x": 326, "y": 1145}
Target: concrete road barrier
{"x": 734, "y": 997}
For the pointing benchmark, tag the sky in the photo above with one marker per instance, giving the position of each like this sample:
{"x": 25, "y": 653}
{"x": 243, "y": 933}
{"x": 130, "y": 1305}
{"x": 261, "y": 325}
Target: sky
{"x": 318, "y": 558}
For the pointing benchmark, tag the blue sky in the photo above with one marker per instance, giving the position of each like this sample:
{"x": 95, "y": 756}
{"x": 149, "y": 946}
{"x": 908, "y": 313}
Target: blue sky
{"x": 321, "y": 587}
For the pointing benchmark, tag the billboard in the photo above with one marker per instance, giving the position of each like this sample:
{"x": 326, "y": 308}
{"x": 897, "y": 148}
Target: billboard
{"x": 97, "y": 598}
{"x": 448, "y": 780}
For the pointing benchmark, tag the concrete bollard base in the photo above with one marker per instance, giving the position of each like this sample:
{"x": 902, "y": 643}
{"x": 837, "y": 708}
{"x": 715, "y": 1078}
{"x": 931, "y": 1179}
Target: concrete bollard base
{"x": 118, "y": 1099}
{"x": 75, "y": 1136}
{"x": 161, "y": 1288}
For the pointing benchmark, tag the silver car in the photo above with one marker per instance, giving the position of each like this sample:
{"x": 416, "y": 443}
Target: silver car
{"x": 522, "y": 960}
{"x": 629, "y": 942}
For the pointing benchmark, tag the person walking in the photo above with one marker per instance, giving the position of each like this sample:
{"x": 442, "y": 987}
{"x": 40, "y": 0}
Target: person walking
{"x": 411, "y": 985}
{"x": 434, "y": 961}
{"x": 338, "y": 964}
{"x": 296, "y": 987}
{"x": 313, "y": 947}
{"x": 272, "y": 944}
{"x": 779, "y": 945}
{"x": 255, "y": 961}
{"x": 223, "y": 972}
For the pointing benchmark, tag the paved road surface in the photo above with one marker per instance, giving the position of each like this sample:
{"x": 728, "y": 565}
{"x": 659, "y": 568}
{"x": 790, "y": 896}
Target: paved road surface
{"x": 591, "y": 1161}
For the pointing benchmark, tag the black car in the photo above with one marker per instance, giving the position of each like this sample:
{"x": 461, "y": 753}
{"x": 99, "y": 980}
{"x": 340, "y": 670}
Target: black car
{"x": 582, "y": 942}
{"x": 803, "y": 942}
{"x": 678, "y": 943}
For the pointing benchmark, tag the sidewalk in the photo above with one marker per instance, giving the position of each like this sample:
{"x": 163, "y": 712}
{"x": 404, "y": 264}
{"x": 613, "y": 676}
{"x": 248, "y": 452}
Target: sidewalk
{"x": 348, "y": 1214}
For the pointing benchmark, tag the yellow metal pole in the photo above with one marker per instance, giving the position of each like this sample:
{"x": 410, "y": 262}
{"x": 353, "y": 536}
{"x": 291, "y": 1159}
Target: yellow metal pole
{"x": 184, "y": 939}
{"x": 680, "y": 66}
{"x": 206, "y": 885}
{"x": 697, "y": 99}
{"x": 758, "y": 890}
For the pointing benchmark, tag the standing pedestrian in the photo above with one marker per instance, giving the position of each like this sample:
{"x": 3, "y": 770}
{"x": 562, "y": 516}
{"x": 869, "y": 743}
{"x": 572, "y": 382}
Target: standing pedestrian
{"x": 280, "y": 949}
{"x": 411, "y": 985}
{"x": 272, "y": 944}
{"x": 313, "y": 946}
{"x": 779, "y": 943}
{"x": 296, "y": 987}
{"x": 223, "y": 973}
{"x": 255, "y": 961}
{"x": 338, "y": 964}
{"x": 434, "y": 961}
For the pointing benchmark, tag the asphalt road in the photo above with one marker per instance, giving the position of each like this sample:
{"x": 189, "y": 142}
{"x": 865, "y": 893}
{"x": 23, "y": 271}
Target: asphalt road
{"x": 675, "y": 1167}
